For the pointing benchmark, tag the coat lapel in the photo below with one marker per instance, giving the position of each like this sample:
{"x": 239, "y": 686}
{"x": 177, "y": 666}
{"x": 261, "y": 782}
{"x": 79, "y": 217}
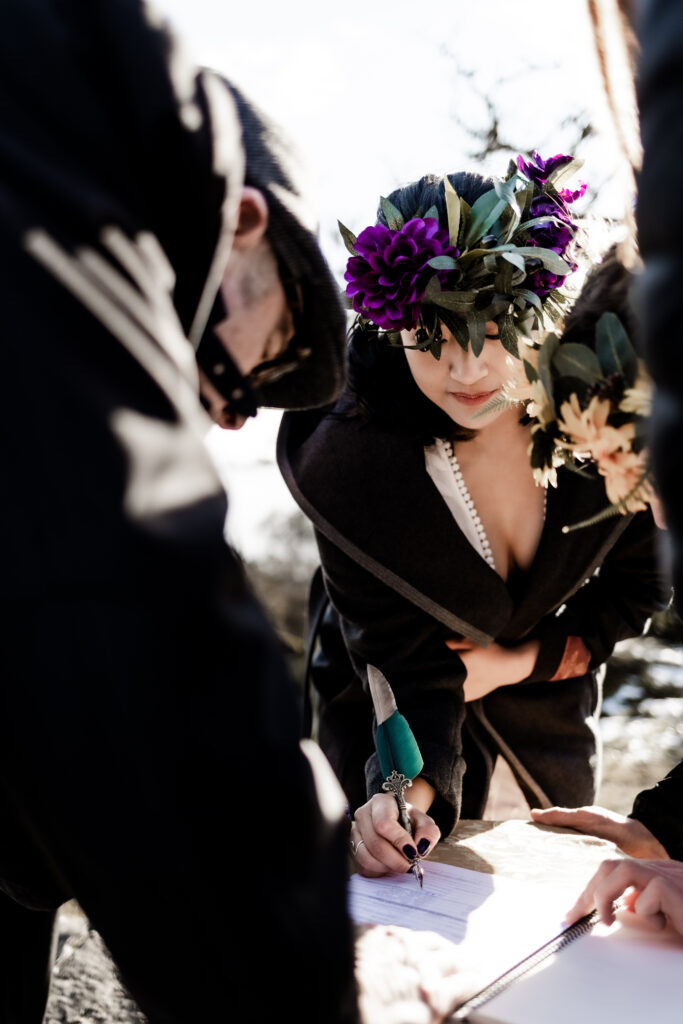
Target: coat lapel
{"x": 368, "y": 492}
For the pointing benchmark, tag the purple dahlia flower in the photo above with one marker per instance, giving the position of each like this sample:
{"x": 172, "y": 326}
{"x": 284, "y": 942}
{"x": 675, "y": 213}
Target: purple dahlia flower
{"x": 539, "y": 170}
{"x": 388, "y": 278}
{"x": 553, "y": 234}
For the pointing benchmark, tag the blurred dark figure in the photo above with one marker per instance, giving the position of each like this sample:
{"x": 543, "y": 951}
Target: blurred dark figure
{"x": 144, "y": 703}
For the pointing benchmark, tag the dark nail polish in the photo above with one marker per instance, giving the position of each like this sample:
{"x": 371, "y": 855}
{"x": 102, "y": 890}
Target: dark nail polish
{"x": 423, "y": 846}
{"x": 410, "y": 851}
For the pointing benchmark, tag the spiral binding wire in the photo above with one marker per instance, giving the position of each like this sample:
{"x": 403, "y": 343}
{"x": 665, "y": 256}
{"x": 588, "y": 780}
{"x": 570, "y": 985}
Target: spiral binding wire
{"x": 525, "y": 967}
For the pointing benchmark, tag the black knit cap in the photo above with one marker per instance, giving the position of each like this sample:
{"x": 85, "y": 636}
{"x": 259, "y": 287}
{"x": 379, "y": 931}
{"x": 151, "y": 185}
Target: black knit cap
{"x": 272, "y": 168}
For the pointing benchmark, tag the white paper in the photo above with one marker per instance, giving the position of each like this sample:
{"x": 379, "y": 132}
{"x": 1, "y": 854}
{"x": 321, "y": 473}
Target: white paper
{"x": 617, "y": 975}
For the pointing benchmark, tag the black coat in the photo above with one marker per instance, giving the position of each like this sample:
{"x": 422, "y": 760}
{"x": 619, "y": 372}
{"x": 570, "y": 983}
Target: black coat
{"x": 150, "y": 764}
{"x": 401, "y": 578}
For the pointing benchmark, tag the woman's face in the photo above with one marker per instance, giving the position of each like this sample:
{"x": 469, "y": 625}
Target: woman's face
{"x": 461, "y": 383}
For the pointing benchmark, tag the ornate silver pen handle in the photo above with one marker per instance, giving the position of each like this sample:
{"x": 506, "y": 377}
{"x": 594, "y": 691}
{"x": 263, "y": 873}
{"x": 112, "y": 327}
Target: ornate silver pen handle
{"x": 396, "y": 784}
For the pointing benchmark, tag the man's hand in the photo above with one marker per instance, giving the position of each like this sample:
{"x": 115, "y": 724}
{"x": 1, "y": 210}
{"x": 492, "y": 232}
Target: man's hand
{"x": 650, "y": 892}
{"x": 493, "y": 666}
{"x": 628, "y": 834}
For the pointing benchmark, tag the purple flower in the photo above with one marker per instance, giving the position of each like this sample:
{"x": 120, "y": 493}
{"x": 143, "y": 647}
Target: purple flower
{"x": 388, "y": 278}
{"x": 539, "y": 170}
{"x": 568, "y": 196}
{"x": 553, "y": 234}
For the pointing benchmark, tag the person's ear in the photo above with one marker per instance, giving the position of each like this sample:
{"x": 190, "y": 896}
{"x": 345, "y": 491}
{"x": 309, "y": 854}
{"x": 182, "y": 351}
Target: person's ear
{"x": 252, "y": 219}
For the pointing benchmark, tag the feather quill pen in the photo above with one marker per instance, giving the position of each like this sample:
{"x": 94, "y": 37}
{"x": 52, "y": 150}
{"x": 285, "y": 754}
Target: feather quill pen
{"x": 399, "y": 756}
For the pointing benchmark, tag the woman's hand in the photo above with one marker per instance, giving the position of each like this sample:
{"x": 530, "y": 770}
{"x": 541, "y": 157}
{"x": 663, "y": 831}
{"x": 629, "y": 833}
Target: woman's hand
{"x": 381, "y": 846}
{"x": 652, "y": 890}
{"x": 629, "y": 835}
{"x": 493, "y": 666}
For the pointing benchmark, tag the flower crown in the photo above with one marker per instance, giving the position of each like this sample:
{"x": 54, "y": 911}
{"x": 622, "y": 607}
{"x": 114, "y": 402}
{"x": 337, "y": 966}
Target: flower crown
{"x": 590, "y": 406}
{"x": 505, "y": 258}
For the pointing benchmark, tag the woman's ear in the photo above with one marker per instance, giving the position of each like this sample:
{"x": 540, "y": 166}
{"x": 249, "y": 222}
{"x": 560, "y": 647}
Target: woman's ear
{"x": 252, "y": 219}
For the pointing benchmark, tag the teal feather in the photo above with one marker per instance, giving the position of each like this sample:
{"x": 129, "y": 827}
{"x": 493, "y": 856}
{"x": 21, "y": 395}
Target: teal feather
{"x": 397, "y": 748}
{"x": 396, "y": 745}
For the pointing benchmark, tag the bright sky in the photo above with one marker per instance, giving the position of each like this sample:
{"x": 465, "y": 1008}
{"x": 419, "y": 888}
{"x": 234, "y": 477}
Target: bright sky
{"x": 376, "y": 93}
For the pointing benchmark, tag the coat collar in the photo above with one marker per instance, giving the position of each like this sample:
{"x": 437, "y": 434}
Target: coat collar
{"x": 367, "y": 490}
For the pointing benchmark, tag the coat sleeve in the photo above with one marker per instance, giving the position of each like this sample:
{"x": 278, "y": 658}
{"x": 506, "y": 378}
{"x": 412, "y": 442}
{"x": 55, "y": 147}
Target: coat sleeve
{"x": 383, "y": 629}
{"x": 659, "y": 809}
{"x": 616, "y": 603}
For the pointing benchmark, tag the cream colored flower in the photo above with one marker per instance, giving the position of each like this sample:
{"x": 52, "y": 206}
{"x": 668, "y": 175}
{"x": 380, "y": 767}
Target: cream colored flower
{"x": 625, "y": 480}
{"x": 516, "y": 388}
{"x": 638, "y": 399}
{"x": 588, "y": 430}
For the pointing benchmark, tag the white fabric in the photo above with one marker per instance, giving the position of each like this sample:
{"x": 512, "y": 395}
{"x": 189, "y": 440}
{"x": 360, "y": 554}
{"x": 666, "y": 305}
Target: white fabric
{"x": 439, "y": 469}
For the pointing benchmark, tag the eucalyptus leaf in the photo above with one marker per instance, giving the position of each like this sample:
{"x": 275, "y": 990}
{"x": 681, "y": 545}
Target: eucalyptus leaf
{"x": 348, "y": 237}
{"x": 562, "y": 174}
{"x": 456, "y": 325}
{"x": 485, "y": 212}
{"x": 505, "y": 190}
{"x": 431, "y": 212}
{"x": 574, "y": 360}
{"x": 465, "y": 210}
{"x": 452, "y": 211}
{"x": 515, "y": 259}
{"x": 531, "y": 297}
{"x": 394, "y": 217}
{"x": 550, "y": 260}
{"x": 458, "y": 302}
{"x": 530, "y": 371}
{"x": 613, "y": 347}
{"x": 546, "y": 353}
{"x": 442, "y": 263}
{"x": 508, "y": 335}
{"x": 476, "y": 326}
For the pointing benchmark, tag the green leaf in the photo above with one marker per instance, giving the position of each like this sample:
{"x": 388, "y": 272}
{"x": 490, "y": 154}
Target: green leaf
{"x": 515, "y": 259}
{"x": 485, "y": 212}
{"x": 508, "y": 335}
{"x": 550, "y": 345}
{"x": 574, "y": 360}
{"x": 613, "y": 346}
{"x": 550, "y": 260}
{"x": 458, "y": 302}
{"x": 456, "y": 325}
{"x": 505, "y": 190}
{"x": 452, "y": 210}
{"x": 465, "y": 210}
{"x": 394, "y": 217}
{"x": 476, "y": 327}
{"x": 348, "y": 237}
{"x": 442, "y": 263}
{"x": 562, "y": 174}
{"x": 530, "y": 371}
{"x": 531, "y": 297}
{"x": 431, "y": 212}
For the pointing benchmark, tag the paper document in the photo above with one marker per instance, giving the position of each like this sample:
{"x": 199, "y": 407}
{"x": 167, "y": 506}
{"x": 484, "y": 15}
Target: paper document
{"x": 617, "y": 975}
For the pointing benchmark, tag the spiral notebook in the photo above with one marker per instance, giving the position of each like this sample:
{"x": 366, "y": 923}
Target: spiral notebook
{"x": 530, "y": 967}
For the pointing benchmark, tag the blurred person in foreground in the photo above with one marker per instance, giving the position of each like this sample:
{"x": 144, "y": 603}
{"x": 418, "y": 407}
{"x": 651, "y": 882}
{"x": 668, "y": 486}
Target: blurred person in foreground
{"x": 643, "y": 41}
{"x": 144, "y": 693}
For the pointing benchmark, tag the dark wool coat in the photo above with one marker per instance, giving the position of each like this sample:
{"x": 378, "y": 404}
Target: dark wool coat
{"x": 659, "y": 215}
{"x": 140, "y": 681}
{"x": 401, "y": 577}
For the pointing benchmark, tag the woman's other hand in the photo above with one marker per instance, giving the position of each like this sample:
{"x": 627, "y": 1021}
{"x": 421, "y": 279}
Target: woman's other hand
{"x": 380, "y": 845}
{"x": 652, "y": 890}
{"x": 493, "y": 666}
{"x": 628, "y": 834}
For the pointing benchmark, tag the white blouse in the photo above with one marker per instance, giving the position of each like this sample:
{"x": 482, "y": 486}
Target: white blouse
{"x": 443, "y": 468}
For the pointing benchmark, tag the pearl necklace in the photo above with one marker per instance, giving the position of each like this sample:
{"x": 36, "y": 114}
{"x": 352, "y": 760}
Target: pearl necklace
{"x": 448, "y": 450}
